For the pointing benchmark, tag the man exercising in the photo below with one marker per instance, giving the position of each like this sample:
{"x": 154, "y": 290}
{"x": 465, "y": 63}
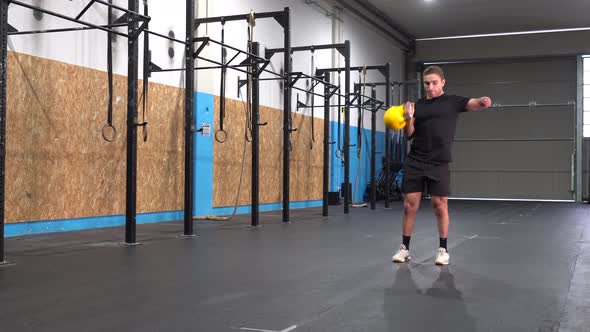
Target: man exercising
{"x": 432, "y": 129}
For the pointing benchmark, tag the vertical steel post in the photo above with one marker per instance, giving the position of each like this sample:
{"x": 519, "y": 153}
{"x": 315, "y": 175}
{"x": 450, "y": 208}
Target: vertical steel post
{"x": 373, "y": 148}
{"x": 286, "y": 114}
{"x": 387, "y": 133}
{"x": 326, "y": 168}
{"x": 189, "y": 107}
{"x": 255, "y": 135}
{"x": 346, "y": 154}
{"x": 3, "y": 86}
{"x": 131, "y": 177}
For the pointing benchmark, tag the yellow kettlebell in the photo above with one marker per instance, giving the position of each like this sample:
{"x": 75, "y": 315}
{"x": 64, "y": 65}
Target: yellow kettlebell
{"x": 394, "y": 117}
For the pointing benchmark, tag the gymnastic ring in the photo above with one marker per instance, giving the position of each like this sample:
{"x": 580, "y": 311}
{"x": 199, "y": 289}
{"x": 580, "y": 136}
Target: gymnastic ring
{"x": 104, "y": 135}
{"x": 338, "y": 153}
{"x": 221, "y": 138}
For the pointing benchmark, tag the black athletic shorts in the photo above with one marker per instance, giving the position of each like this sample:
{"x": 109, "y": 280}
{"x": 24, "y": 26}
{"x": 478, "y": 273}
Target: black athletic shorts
{"x": 430, "y": 178}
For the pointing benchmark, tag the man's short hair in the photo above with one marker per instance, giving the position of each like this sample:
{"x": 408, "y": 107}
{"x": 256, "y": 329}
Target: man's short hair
{"x": 434, "y": 70}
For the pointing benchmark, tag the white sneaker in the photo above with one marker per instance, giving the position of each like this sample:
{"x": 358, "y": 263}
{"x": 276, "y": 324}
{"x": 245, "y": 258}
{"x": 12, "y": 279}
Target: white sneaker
{"x": 402, "y": 255}
{"x": 442, "y": 257}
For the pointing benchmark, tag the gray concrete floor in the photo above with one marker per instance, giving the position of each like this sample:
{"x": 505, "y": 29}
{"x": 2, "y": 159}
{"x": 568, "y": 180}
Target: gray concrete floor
{"x": 515, "y": 266}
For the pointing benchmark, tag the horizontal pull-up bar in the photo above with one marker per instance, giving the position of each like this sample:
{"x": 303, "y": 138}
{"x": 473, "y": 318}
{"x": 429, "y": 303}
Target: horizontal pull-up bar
{"x": 221, "y": 65}
{"x": 307, "y": 48}
{"x": 220, "y": 19}
{"x": 122, "y": 9}
{"x": 166, "y": 37}
{"x": 334, "y": 94}
{"x": 207, "y": 40}
{"x": 312, "y": 93}
{"x": 368, "y": 100}
{"x": 67, "y": 18}
{"x": 358, "y": 68}
{"x": 282, "y": 77}
{"x": 316, "y": 79}
{"x": 373, "y": 84}
{"x": 236, "y": 67}
{"x": 339, "y": 47}
{"x": 197, "y": 68}
{"x": 301, "y": 105}
{"x": 64, "y": 29}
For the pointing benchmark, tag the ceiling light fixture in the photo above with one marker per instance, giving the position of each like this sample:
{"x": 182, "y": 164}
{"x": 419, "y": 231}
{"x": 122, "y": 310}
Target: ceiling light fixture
{"x": 506, "y": 34}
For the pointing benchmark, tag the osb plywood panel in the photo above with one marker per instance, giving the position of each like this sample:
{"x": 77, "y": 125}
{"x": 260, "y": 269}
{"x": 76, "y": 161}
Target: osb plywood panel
{"x": 57, "y": 163}
{"x": 306, "y": 158}
{"x": 160, "y": 160}
{"x": 271, "y": 156}
{"x": 228, "y": 156}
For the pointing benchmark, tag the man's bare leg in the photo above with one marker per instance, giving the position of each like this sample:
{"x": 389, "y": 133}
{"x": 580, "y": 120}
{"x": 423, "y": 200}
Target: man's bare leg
{"x": 411, "y": 205}
{"x": 441, "y": 210}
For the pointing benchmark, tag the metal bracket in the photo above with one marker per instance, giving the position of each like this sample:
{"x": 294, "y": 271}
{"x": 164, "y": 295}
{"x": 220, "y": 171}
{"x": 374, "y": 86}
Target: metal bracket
{"x": 300, "y": 104}
{"x": 334, "y": 90}
{"x": 205, "y": 42}
{"x": 139, "y": 30}
{"x": 153, "y": 68}
{"x": 263, "y": 67}
{"x": 268, "y": 54}
{"x": 314, "y": 84}
{"x": 241, "y": 83}
{"x": 282, "y": 21}
{"x": 297, "y": 77}
{"x": 341, "y": 50}
{"x": 247, "y": 62}
{"x": 122, "y": 19}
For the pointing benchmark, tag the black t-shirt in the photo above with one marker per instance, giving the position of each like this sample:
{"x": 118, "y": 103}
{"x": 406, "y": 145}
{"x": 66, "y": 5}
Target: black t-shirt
{"x": 434, "y": 127}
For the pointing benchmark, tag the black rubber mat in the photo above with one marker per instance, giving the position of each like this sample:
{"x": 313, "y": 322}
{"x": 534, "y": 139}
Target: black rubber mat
{"x": 515, "y": 266}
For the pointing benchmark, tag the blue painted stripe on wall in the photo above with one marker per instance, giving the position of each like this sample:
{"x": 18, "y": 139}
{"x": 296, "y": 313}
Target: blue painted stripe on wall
{"x": 203, "y": 200}
{"x": 337, "y": 166}
{"x": 224, "y": 211}
{"x": 203, "y": 163}
{"x": 64, "y": 225}
{"x": 203, "y": 184}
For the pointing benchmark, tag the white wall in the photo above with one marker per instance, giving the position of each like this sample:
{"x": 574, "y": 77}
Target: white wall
{"x": 89, "y": 48}
{"x": 370, "y": 47}
{"x": 310, "y": 25}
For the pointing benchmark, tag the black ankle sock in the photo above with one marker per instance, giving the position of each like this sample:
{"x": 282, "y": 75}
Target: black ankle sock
{"x": 406, "y": 240}
{"x": 443, "y": 242}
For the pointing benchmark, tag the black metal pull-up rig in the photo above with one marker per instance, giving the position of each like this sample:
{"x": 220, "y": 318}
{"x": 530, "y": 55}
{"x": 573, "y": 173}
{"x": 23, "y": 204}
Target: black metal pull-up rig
{"x": 344, "y": 49}
{"x": 132, "y": 19}
{"x": 385, "y": 71}
{"x": 257, "y": 65}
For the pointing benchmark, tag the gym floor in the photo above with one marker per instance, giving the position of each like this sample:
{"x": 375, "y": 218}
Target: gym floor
{"x": 515, "y": 266}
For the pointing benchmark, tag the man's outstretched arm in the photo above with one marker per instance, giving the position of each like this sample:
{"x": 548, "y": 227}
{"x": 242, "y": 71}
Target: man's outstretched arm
{"x": 476, "y": 104}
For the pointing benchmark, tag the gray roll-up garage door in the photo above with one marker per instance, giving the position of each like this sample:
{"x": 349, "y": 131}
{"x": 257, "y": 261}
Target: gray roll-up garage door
{"x": 523, "y": 148}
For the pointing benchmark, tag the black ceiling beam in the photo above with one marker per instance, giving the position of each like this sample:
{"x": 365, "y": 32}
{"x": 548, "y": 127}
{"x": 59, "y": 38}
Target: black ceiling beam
{"x": 405, "y": 44}
{"x": 388, "y": 20}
